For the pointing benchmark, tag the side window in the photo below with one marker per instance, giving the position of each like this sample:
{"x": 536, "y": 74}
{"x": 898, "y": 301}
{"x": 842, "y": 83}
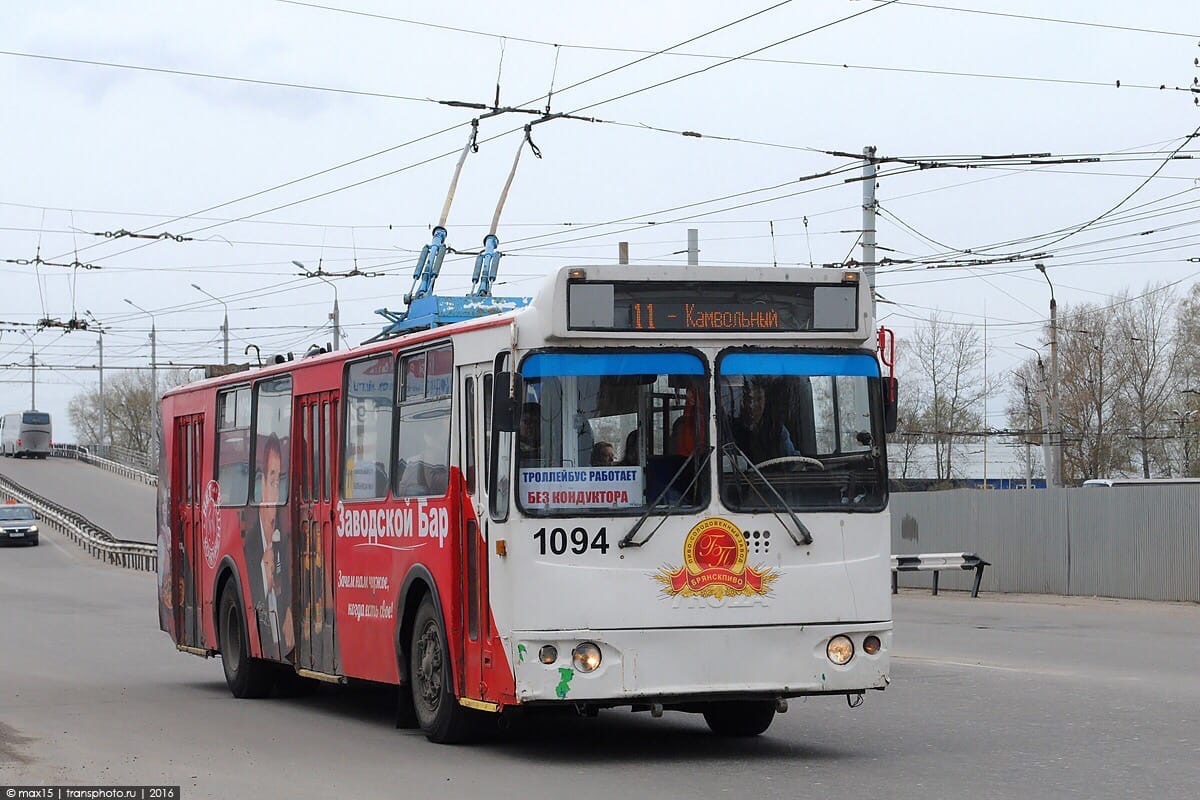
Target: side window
{"x": 306, "y": 454}
{"x": 233, "y": 445}
{"x": 468, "y": 417}
{"x": 423, "y": 427}
{"x": 272, "y": 440}
{"x": 498, "y": 501}
{"x": 487, "y": 425}
{"x": 853, "y": 414}
{"x": 368, "y": 426}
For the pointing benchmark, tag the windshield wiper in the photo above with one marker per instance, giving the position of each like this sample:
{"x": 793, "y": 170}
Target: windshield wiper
{"x": 731, "y": 451}
{"x": 628, "y": 541}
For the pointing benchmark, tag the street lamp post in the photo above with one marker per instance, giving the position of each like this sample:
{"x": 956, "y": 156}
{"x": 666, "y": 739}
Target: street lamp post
{"x": 337, "y": 331}
{"x": 153, "y": 373}
{"x": 1055, "y": 412}
{"x": 224, "y": 325}
{"x": 32, "y": 374}
{"x": 1047, "y": 449}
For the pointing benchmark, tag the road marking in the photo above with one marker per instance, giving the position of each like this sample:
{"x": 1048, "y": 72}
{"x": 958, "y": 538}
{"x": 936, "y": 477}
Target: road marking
{"x": 1062, "y": 673}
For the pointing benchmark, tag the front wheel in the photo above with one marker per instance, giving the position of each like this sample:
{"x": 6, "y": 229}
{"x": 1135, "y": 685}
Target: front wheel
{"x": 437, "y": 710}
{"x": 246, "y": 676}
{"x": 740, "y": 718}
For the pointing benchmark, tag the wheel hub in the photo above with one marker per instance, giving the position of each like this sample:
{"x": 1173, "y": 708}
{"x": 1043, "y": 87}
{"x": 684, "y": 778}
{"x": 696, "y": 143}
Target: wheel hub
{"x": 429, "y": 666}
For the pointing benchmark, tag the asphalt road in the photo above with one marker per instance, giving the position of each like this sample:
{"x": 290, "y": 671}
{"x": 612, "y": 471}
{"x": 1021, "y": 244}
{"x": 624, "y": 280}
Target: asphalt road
{"x": 1010, "y": 697}
{"x": 122, "y": 506}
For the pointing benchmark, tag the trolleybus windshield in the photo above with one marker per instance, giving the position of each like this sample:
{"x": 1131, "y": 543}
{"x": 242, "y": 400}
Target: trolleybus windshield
{"x": 808, "y": 424}
{"x": 609, "y": 432}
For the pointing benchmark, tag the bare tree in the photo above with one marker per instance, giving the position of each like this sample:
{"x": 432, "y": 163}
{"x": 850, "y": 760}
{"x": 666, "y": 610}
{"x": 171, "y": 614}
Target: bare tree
{"x": 1148, "y": 357}
{"x": 906, "y": 444}
{"x": 128, "y": 400}
{"x": 1187, "y": 366}
{"x": 947, "y": 363}
{"x": 1095, "y": 421}
{"x": 1026, "y": 413}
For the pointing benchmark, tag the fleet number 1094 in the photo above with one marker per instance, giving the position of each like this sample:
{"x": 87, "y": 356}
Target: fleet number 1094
{"x": 556, "y": 541}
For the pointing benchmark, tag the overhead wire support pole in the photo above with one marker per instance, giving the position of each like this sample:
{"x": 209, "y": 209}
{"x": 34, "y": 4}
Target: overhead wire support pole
{"x": 870, "y": 170}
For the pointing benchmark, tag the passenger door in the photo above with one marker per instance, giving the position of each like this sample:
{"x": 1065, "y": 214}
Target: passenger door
{"x": 314, "y": 484}
{"x": 186, "y": 533}
{"x": 473, "y": 555}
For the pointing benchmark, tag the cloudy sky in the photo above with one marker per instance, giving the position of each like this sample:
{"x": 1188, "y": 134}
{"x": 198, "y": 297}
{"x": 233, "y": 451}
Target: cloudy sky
{"x": 343, "y": 157}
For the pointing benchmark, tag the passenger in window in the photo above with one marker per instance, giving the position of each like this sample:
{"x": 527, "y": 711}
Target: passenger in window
{"x": 759, "y": 434}
{"x": 685, "y": 429}
{"x": 603, "y": 455}
{"x": 530, "y": 439}
{"x": 631, "y": 458}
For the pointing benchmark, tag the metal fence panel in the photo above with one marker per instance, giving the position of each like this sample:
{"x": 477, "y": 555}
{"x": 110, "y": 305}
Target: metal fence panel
{"x": 1137, "y": 542}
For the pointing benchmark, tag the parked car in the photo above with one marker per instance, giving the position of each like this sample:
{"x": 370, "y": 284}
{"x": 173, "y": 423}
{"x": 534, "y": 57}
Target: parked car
{"x": 18, "y": 524}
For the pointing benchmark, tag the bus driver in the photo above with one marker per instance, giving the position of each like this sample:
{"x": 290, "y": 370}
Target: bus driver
{"x": 755, "y": 432}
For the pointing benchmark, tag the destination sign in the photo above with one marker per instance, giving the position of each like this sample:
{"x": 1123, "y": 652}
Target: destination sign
{"x": 712, "y": 307}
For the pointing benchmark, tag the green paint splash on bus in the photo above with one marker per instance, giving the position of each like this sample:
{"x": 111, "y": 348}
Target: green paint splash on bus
{"x": 565, "y": 674}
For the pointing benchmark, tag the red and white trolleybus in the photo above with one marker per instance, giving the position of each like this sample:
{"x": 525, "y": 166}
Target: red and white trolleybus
{"x": 664, "y": 489}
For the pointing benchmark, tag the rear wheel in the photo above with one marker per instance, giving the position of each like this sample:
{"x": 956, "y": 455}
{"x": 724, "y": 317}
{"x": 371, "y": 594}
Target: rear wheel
{"x": 246, "y": 676}
{"x": 740, "y": 718}
{"x": 437, "y": 710}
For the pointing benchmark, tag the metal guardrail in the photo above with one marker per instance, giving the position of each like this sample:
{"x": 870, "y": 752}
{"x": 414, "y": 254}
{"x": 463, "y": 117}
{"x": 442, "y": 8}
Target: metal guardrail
{"x": 935, "y": 562}
{"x": 98, "y": 542}
{"x": 124, "y": 470}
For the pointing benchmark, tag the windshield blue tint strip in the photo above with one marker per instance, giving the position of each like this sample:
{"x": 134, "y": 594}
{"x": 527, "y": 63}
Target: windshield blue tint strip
{"x": 541, "y": 365}
{"x": 799, "y": 364}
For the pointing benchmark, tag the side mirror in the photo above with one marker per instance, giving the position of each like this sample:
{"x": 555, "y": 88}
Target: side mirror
{"x": 890, "y": 404}
{"x": 507, "y": 398}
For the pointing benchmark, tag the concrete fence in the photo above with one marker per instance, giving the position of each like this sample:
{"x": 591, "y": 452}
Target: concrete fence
{"x": 1130, "y": 541}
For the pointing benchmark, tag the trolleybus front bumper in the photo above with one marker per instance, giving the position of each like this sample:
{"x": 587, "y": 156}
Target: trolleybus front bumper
{"x": 764, "y": 661}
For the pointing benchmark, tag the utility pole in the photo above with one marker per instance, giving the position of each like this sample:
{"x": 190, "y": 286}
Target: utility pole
{"x": 622, "y": 252}
{"x": 102, "y": 420}
{"x": 870, "y": 170}
{"x": 985, "y": 397}
{"x": 337, "y": 329}
{"x": 1028, "y": 437}
{"x": 1055, "y": 413}
{"x": 224, "y": 325}
{"x": 154, "y": 387}
{"x": 693, "y": 251}
{"x": 153, "y": 377}
{"x": 32, "y": 379}
{"x": 1047, "y": 447}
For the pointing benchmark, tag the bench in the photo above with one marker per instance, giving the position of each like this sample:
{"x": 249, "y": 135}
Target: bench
{"x": 935, "y": 562}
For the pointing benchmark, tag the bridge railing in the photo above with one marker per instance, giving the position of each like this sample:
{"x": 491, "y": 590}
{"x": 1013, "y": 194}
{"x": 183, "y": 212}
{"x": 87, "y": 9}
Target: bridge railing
{"x": 98, "y": 542}
{"x": 89, "y": 456}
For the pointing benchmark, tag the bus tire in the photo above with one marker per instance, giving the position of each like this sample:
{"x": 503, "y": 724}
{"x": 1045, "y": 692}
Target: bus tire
{"x": 247, "y": 677}
{"x": 438, "y": 713}
{"x": 740, "y": 717}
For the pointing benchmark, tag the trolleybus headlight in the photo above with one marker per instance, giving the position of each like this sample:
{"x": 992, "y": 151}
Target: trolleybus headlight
{"x": 548, "y": 654}
{"x": 871, "y": 645}
{"x": 840, "y": 650}
{"x": 586, "y": 656}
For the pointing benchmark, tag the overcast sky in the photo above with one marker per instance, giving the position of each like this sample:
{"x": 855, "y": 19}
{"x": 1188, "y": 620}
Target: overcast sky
{"x": 86, "y": 148}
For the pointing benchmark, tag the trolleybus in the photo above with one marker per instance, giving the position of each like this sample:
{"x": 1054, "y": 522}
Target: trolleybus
{"x": 661, "y": 489}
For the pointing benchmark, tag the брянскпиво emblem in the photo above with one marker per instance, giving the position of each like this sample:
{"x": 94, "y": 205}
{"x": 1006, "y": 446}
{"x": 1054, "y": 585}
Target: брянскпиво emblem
{"x": 714, "y": 565}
